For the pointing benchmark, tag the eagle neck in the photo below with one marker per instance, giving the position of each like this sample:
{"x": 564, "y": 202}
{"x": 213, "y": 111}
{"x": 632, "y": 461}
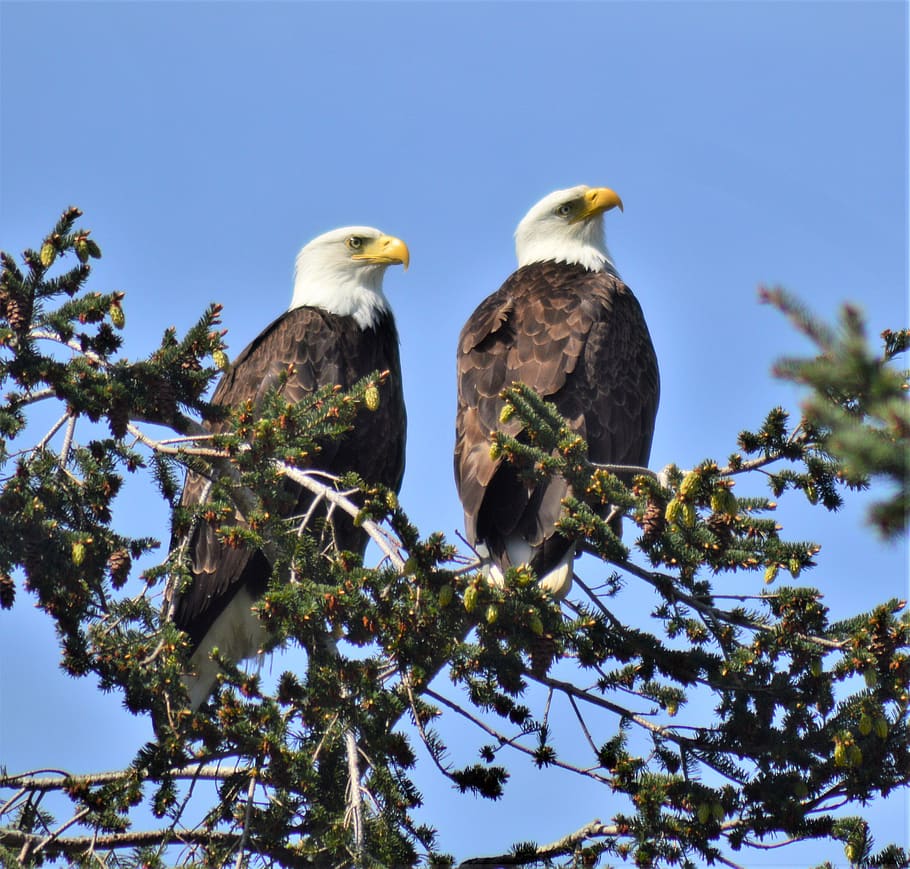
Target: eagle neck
{"x": 339, "y": 291}
{"x": 548, "y": 240}
{"x": 594, "y": 265}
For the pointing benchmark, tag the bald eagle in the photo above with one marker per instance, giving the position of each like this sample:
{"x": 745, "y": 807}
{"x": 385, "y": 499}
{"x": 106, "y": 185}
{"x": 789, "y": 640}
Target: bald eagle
{"x": 567, "y": 326}
{"x": 338, "y": 329}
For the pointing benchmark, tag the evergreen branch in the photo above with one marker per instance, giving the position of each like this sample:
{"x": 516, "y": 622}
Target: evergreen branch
{"x": 308, "y": 479}
{"x": 627, "y": 470}
{"x": 768, "y": 738}
{"x": 30, "y": 397}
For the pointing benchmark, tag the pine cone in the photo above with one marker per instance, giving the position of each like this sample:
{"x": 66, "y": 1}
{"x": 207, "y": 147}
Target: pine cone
{"x": 166, "y": 398}
{"x": 543, "y": 652}
{"x": 18, "y": 313}
{"x": 118, "y": 419}
{"x": 653, "y": 522}
{"x": 32, "y": 555}
{"x": 7, "y": 591}
{"x": 721, "y": 526}
{"x": 119, "y": 565}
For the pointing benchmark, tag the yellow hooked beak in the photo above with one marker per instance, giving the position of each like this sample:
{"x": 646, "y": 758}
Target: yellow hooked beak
{"x": 386, "y": 249}
{"x": 596, "y": 201}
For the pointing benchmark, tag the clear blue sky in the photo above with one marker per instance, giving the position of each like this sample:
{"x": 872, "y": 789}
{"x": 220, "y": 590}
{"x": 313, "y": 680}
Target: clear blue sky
{"x": 207, "y": 142}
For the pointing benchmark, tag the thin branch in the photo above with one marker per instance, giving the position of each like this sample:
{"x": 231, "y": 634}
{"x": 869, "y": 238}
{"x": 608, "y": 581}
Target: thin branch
{"x": 664, "y": 585}
{"x": 626, "y": 470}
{"x": 572, "y": 690}
{"x": 423, "y": 734}
{"x": 62, "y": 828}
{"x": 67, "y": 441}
{"x": 32, "y": 397}
{"x": 54, "y": 429}
{"x": 32, "y": 781}
{"x": 161, "y": 447}
{"x": 306, "y": 479}
{"x": 140, "y": 838}
{"x": 241, "y": 845}
{"x": 355, "y": 804}
{"x": 504, "y": 740}
{"x": 385, "y": 542}
{"x": 584, "y": 726}
{"x": 566, "y": 845}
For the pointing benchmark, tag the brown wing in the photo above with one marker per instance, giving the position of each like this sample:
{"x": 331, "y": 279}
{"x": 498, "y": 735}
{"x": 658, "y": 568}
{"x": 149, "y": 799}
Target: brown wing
{"x": 324, "y": 349}
{"x": 579, "y": 339}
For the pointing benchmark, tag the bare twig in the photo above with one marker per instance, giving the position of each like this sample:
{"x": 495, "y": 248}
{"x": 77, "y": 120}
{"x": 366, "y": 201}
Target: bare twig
{"x": 165, "y": 447}
{"x": 584, "y": 727}
{"x": 354, "y": 802}
{"x": 34, "y": 780}
{"x": 504, "y": 740}
{"x": 241, "y": 845}
{"x": 61, "y": 829}
{"x": 665, "y": 586}
{"x": 566, "y": 845}
{"x": 54, "y": 429}
{"x": 389, "y": 546}
{"x": 67, "y": 441}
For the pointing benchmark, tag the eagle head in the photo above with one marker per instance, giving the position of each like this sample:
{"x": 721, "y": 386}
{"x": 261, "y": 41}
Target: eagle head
{"x": 567, "y": 226}
{"x": 341, "y": 272}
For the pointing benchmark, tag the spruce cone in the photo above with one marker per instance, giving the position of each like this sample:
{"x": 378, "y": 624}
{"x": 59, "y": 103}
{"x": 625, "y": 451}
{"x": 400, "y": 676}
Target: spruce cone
{"x": 18, "y": 313}
{"x": 543, "y": 652}
{"x": 7, "y": 591}
{"x": 721, "y": 526}
{"x": 118, "y": 419}
{"x": 166, "y": 398}
{"x": 32, "y": 555}
{"x": 119, "y": 565}
{"x": 653, "y": 522}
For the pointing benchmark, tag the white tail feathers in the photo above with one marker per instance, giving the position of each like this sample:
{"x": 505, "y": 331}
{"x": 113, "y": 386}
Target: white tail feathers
{"x": 558, "y": 581}
{"x": 237, "y": 634}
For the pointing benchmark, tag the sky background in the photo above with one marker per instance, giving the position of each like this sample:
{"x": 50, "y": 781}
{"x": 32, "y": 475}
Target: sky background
{"x": 207, "y": 142}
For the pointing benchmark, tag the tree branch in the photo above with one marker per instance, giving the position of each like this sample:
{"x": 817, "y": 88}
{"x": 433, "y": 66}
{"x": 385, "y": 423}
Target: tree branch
{"x": 566, "y": 845}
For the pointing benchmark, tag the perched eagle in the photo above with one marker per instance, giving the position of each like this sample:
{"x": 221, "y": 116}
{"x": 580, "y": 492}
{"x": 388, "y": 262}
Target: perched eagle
{"x": 338, "y": 329}
{"x": 567, "y": 326}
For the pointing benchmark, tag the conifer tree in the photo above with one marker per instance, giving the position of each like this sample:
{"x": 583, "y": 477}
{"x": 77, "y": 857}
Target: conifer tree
{"x": 318, "y": 770}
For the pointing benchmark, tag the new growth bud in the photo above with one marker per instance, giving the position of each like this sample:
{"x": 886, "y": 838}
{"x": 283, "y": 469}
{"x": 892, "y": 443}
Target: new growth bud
{"x": 371, "y": 397}
{"x": 48, "y": 254}
{"x": 118, "y": 318}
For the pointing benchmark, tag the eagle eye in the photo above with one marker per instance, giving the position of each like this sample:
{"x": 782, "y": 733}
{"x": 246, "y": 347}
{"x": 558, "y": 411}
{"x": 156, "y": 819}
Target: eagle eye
{"x": 564, "y": 210}
{"x": 355, "y": 242}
